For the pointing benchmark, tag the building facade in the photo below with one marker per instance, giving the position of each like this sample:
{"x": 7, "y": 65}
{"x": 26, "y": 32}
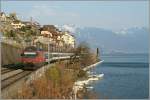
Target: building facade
{"x": 17, "y": 24}
{"x": 3, "y": 16}
{"x": 68, "y": 39}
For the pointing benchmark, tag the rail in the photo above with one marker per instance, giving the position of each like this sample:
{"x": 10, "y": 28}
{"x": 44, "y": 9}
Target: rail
{"x": 14, "y": 78}
{"x": 6, "y": 71}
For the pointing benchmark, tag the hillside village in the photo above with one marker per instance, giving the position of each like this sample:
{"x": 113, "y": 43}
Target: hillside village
{"x": 74, "y": 49}
{"x": 25, "y": 33}
{"x": 61, "y": 75}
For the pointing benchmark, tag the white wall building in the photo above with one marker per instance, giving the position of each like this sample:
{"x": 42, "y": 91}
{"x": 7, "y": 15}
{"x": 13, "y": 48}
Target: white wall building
{"x": 68, "y": 39}
{"x": 46, "y": 33}
{"x": 3, "y": 16}
{"x": 17, "y": 24}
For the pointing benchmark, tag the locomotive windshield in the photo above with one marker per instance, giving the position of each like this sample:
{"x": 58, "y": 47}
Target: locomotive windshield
{"x": 30, "y": 52}
{"x": 31, "y": 48}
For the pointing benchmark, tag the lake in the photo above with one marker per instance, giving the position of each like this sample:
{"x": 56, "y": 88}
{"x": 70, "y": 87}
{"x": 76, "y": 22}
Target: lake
{"x": 125, "y": 77}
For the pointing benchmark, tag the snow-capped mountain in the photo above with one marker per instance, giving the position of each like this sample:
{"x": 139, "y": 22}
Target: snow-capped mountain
{"x": 127, "y": 40}
{"x": 131, "y": 40}
{"x": 70, "y": 27}
{"x": 126, "y": 31}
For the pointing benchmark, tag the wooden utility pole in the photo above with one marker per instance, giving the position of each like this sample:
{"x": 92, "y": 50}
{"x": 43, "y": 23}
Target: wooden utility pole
{"x": 31, "y": 20}
{"x": 48, "y": 53}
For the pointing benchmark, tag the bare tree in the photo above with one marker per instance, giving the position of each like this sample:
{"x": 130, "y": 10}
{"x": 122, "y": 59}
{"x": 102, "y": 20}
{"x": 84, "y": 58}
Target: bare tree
{"x": 85, "y": 54}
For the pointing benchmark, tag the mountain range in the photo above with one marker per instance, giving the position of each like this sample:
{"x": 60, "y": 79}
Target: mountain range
{"x": 131, "y": 40}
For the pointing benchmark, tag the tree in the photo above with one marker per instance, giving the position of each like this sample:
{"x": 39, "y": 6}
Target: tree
{"x": 85, "y": 54}
{"x": 53, "y": 74}
{"x": 83, "y": 51}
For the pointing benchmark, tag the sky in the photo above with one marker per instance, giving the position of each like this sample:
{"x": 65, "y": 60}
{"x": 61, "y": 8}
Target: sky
{"x": 113, "y": 15}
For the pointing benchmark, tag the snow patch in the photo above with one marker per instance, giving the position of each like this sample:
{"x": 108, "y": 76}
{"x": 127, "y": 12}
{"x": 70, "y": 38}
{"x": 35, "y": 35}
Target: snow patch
{"x": 70, "y": 28}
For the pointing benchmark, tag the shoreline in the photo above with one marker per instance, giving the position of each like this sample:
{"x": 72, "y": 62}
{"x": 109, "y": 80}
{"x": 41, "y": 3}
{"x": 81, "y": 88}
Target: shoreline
{"x": 93, "y": 65}
{"x": 77, "y": 85}
{"x": 80, "y": 84}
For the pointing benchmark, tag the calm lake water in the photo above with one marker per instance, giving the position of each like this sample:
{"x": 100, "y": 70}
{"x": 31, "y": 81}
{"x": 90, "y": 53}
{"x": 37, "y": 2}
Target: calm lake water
{"x": 125, "y": 77}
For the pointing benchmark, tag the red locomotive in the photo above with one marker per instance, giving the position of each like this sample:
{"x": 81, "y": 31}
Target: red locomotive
{"x": 32, "y": 57}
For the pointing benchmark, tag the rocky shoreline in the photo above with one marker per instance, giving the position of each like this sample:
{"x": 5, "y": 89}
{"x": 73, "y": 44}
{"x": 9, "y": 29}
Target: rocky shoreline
{"x": 83, "y": 84}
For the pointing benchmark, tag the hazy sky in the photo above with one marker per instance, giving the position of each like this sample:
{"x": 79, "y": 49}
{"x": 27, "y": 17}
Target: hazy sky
{"x": 113, "y": 15}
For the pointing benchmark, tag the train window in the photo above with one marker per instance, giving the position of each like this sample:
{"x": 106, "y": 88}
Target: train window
{"x": 46, "y": 55}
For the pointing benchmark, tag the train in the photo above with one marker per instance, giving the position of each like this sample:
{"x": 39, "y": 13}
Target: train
{"x": 34, "y": 58}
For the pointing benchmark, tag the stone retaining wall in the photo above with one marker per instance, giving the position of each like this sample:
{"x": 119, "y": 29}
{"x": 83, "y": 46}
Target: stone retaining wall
{"x": 9, "y": 54}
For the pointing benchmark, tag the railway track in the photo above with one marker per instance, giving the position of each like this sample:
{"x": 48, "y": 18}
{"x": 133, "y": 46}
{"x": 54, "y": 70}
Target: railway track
{"x": 14, "y": 78}
{"x": 11, "y": 76}
{"x": 3, "y": 71}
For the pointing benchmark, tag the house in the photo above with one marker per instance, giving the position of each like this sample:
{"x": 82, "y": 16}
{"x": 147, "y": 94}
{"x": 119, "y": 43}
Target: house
{"x": 3, "y": 16}
{"x": 36, "y": 24}
{"x": 43, "y": 40}
{"x": 68, "y": 39}
{"x": 50, "y": 28}
{"x": 17, "y": 24}
{"x": 30, "y": 23}
{"x": 27, "y": 23}
{"x": 51, "y": 31}
{"x": 59, "y": 39}
{"x": 46, "y": 34}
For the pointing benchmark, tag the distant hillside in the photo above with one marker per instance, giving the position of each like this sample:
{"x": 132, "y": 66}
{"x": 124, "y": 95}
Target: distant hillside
{"x": 133, "y": 40}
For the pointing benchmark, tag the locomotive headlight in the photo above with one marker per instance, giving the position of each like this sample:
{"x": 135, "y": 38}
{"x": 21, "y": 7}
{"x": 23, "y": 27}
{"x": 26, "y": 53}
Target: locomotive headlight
{"x": 22, "y": 54}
